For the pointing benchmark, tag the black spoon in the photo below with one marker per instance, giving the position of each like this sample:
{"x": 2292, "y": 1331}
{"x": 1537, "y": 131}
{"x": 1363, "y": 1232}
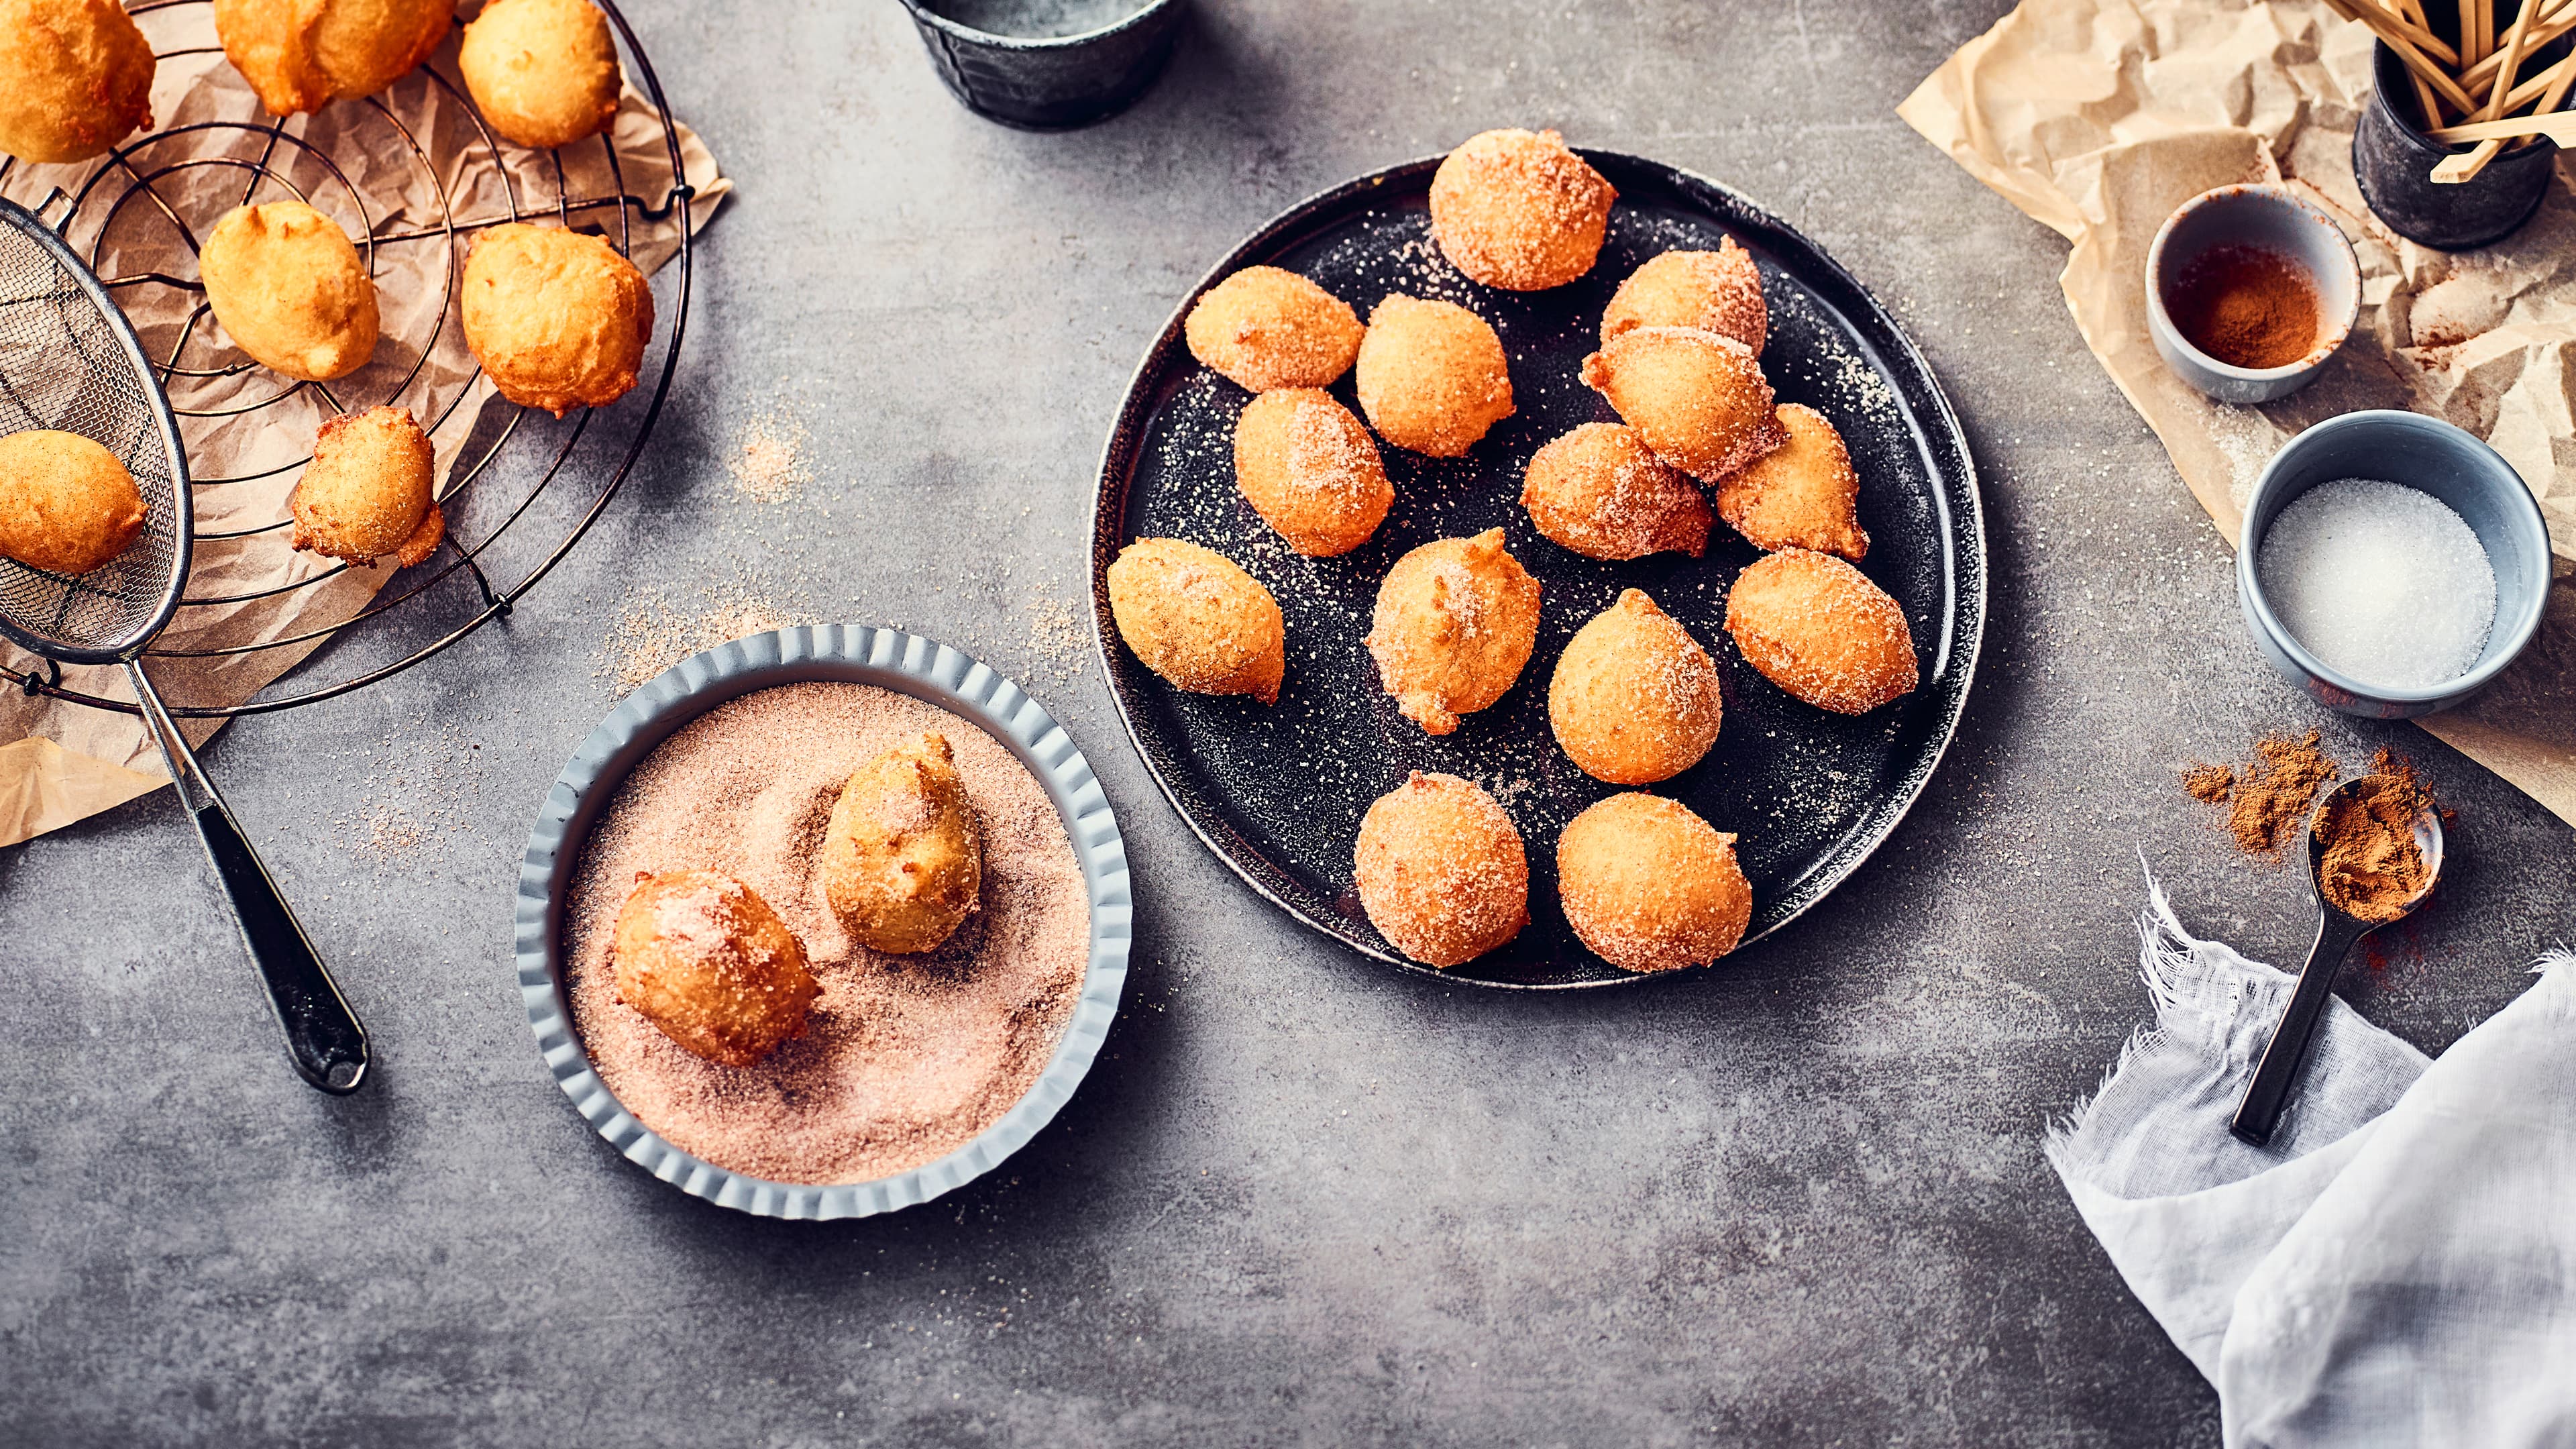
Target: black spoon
{"x": 2337, "y": 931}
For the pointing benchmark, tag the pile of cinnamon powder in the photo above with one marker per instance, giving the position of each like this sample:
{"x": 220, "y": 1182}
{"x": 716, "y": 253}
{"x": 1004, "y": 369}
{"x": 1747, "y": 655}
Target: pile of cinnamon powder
{"x": 904, "y": 1058}
{"x": 2372, "y": 866}
{"x": 2267, "y": 798}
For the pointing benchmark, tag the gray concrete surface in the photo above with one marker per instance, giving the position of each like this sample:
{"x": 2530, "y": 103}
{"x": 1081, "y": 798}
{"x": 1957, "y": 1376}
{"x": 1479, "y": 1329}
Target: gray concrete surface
{"x": 1302, "y": 1200}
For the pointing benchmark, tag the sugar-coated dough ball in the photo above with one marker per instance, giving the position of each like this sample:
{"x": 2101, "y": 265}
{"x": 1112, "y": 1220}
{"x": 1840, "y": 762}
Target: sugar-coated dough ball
{"x": 1698, "y": 399}
{"x": 1455, "y": 622}
{"x": 543, "y": 72}
{"x": 1635, "y": 697}
{"x": 1649, "y": 886}
{"x": 1601, "y": 492}
{"x": 1719, "y": 291}
{"x": 1264, "y": 328}
{"x": 1432, "y": 377}
{"x": 1441, "y": 871}
{"x": 1517, "y": 210}
{"x": 301, "y": 55}
{"x": 1818, "y": 628}
{"x": 75, "y": 78}
{"x": 290, "y": 289}
{"x": 1311, "y": 471}
{"x": 366, "y": 493}
{"x": 557, "y": 318}
{"x": 1197, "y": 619}
{"x": 704, "y": 958}
{"x": 66, "y": 504}
{"x": 1803, "y": 495}
{"x": 902, "y": 864}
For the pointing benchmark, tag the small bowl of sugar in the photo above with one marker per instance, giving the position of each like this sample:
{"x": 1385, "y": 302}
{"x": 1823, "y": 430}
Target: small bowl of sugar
{"x": 2391, "y": 564}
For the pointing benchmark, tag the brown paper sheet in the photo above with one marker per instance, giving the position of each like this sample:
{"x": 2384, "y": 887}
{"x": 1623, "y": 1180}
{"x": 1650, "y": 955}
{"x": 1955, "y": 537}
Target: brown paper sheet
{"x": 61, "y": 761}
{"x": 2099, "y": 117}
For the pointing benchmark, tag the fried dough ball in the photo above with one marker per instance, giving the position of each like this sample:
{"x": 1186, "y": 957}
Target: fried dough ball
{"x": 1197, "y": 619}
{"x": 543, "y": 72}
{"x": 1649, "y": 886}
{"x": 902, "y": 863}
{"x": 66, "y": 504}
{"x": 1805, "y": 495}
{"x": 1818, "y": 628}
{"x": 1454, "y": 624}
{"x": 705, "y": 959}
{"x": 1601, "y": 492}
{"x": 288, "y": 286}
{"x": 1698, "y": 399}
{"x": 1517, "y": 210}
{"x": 1441, "y": 871}
{"x": 1265, "y": 328}
{"x": 557, "y": 318}
{"x": 1311, "y": 471}
{"x": 366, "y": 492}
{"x": 75, "y": 78}
{"x": 1719, "y": 291}
{"x": 1635, "y": 697}
{"x": 1432, "y": 377}
{"x": 301, "y": 55}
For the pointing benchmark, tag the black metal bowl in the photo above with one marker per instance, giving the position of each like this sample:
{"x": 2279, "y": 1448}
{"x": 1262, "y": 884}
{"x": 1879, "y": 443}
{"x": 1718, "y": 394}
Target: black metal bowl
{"x": 1277, "y": 792}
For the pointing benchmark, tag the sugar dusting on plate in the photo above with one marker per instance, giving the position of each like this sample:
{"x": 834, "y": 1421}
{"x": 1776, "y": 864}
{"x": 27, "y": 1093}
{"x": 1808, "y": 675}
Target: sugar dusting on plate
{"x": 2380, "y": 581}
{"x": 905, "y": 1058}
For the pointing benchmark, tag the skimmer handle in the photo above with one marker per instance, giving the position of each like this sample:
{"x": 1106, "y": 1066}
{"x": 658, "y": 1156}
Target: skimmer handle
{"x": 323, "y": 1037}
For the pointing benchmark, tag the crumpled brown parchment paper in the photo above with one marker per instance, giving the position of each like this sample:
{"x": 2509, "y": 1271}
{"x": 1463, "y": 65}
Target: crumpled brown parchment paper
{"x": 61, "y": 761}
{"x": 2099, "y": 117}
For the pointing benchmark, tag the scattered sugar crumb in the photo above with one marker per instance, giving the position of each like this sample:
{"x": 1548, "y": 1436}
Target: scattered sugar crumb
{"x": 657, "y": 630}
{"x": 769, "y": 458}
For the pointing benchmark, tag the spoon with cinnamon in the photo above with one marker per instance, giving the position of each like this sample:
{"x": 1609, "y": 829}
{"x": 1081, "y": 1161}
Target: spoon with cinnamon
{"x": 2374, "y": 853}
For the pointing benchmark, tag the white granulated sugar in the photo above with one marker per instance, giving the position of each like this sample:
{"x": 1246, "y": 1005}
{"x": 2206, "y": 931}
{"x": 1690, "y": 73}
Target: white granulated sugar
{"x": 2381, "y": 581}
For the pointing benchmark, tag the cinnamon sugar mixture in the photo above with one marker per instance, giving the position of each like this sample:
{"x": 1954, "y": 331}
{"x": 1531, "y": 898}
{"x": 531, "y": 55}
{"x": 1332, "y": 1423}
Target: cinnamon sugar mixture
{"x": 904, "y": 1058}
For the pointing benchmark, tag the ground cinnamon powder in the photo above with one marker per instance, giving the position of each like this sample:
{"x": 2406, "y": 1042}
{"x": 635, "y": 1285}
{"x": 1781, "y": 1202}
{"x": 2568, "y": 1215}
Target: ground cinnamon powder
{"x": 904, "y": 1058}
{"x": 2372, "y": 866}
{"x": 2270, "y": 796}
{"x": 2246, "y": 306}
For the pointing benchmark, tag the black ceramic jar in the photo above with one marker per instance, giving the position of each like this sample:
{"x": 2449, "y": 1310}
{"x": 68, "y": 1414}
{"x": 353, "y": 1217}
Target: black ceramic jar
{"x": 2393, "y": 160}
{"x": 1048, "y": 81}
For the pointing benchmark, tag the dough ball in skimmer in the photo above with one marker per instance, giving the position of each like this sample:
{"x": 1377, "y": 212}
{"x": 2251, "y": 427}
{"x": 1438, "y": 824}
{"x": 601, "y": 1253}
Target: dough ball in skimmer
{"x": 67, "y": 505}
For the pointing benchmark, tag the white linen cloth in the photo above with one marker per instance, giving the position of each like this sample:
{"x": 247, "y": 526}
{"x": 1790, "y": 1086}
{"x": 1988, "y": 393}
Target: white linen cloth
{"x": 2398, "y": 1267}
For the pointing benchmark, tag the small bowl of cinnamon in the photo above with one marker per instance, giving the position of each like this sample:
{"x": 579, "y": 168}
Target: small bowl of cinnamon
{"x": 2250, "y": 288}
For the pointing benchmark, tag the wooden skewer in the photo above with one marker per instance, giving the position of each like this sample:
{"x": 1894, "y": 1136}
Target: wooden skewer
{"x": 2512, "y": 53}
{"x": 2454, "y": 170}
{"x": 2556, "y": 21}
{"x": 2477, "y": 38}
{"x": 2386, "y": 26}
{"x": 2558, "y": 126}
{"x": 2538, "y": 86}
{"x": 2424, "y": 97}
{"x": 2383, "y": 19}
{"x": 2560, "y": 78}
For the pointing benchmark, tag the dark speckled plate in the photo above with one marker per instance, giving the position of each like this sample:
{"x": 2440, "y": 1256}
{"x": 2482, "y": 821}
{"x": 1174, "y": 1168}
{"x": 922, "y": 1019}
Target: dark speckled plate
{"x": 1278, "y": 792}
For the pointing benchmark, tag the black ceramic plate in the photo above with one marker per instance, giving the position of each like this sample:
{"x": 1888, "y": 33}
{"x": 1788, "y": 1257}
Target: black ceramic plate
{"x": 1277, "y": 792}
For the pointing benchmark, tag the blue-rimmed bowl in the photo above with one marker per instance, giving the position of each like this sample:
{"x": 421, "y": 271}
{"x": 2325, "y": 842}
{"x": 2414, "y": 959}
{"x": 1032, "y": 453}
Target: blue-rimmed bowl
{"x": 839, "y": 654}
{"x": 2266, "y": 217}
{"x": 1049, "y": 82}
{"x": 2455, "y": 467}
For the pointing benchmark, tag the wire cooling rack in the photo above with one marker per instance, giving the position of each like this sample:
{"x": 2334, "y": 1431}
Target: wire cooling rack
{"x": 455, "y": 592}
